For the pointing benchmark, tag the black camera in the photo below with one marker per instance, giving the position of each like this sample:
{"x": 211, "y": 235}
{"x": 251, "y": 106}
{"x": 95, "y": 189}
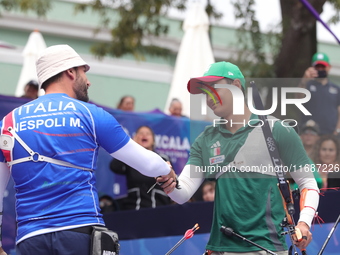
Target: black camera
{"x": 322, "y": 74}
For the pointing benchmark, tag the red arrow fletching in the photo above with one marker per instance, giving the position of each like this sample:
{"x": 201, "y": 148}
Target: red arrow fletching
{"x": 188, "y": 234}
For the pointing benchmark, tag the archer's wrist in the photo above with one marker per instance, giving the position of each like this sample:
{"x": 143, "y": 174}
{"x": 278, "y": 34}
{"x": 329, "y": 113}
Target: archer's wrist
{"x": 304, "y": 224}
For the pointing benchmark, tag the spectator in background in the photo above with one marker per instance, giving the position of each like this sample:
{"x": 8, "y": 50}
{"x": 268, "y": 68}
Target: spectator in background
{"x": 138, "y": 184}
{"x": 175, "y": 108}
{"x": 326, "y": 158}
{"x": 309, "y": 135}
{"x": 208, "y": 191}
{"x": 126, "y": 103}
{"x": 31, "y": 90}
{"x": 324, "y": 104}
{"x": 107, "y": 204}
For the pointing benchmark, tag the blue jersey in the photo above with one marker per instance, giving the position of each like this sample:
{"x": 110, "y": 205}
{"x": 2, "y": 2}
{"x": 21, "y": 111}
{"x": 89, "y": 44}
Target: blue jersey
{"x": 50, "y": 196}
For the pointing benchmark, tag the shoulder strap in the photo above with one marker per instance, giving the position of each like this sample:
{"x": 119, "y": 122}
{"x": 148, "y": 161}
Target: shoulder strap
{"x": 272, "y": 149}
{"x": 8, "y": 133}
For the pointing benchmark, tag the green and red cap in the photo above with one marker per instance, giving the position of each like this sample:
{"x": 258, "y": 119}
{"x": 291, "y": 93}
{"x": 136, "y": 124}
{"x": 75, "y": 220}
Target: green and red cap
{"x": 216, "y": 72}
{"x": 320, "y": 58}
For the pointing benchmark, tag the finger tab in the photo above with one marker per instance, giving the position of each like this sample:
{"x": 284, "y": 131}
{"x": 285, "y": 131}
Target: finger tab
{"x": 298, "y": 234}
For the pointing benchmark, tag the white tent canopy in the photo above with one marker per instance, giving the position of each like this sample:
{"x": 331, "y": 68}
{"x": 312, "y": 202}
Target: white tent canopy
{"x": 194, "y": 56}
{"x": 34, "y": 46}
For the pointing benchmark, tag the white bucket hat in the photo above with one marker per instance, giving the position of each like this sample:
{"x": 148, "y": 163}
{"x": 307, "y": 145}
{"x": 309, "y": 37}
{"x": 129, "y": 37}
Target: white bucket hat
{"x": 56, "y": 59}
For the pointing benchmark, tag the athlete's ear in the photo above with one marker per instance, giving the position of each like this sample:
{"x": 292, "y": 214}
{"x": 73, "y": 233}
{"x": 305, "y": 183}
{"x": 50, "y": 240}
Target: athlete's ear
{"x": 71, "y": 73}
{"x": 237, "y": 83}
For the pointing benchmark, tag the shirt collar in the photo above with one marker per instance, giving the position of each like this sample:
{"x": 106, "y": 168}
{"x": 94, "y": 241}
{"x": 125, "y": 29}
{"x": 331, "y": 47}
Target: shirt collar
{"x": 253, "y": 121}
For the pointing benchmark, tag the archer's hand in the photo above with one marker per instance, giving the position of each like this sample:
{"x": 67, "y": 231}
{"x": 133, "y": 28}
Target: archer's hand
{"x": 169, "y": 181}
{"x": 2, "y": 252}
{"x": 306, "y": 236}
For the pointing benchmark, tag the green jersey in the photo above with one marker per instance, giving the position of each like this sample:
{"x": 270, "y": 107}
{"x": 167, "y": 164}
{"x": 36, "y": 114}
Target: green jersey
{"x": 247, "y": 198}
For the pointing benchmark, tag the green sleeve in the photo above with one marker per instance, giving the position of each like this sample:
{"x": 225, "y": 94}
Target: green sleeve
{"x": 195, "y": 156}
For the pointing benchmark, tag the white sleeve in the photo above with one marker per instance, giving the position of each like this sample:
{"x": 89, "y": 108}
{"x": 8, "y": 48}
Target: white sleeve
{"x": 4, "y": 177}
{"x": 144, "y": 161}
{"x": 304, "y": 178}
{"x": 188, "y": 184}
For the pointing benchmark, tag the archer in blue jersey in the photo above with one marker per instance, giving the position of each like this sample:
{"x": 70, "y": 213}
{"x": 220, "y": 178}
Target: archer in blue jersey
{"x": 50, "y": 146}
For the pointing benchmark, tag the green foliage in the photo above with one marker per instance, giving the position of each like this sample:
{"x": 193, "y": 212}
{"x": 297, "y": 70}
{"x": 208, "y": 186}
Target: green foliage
{"x": 40, "y": 7}
{"x": 336, "y": 18}
{"x": 133, "y": 26}
{"x": 212, "y": 12}
{"x": 252, "y": 43}
{"x": 258, "y": 50}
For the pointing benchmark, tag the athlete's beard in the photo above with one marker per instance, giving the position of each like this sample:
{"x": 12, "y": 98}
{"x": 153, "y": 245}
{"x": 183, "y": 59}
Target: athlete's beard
{"x": 80, "y": 89}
